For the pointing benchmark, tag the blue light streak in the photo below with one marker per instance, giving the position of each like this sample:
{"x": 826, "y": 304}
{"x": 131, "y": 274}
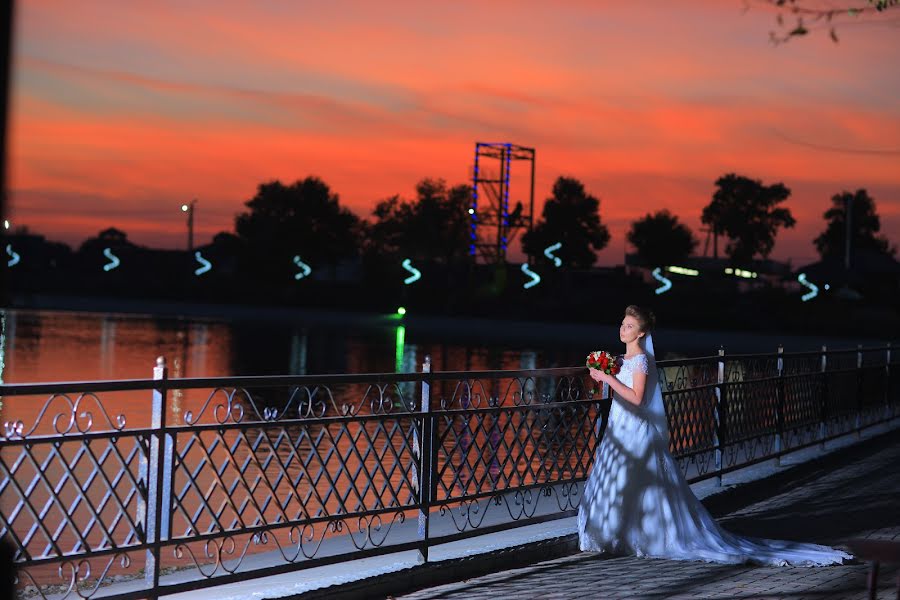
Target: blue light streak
{"x": 305, "y": 269}
{"x": 14, "y": 257}
{"x": 114, "y": 260}
{"x": 416, "y": 274}
{"x": 535, "y": 278}
{"x": 549, "y": 250}
{"x": 813, "y": 288}
{"x": 205, "y": 265}
{"x": 666, "y": 283}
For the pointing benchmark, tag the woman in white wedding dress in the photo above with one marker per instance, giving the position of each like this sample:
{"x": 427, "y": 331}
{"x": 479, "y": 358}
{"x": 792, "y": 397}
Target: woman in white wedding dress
{"x": 636, "y": 500}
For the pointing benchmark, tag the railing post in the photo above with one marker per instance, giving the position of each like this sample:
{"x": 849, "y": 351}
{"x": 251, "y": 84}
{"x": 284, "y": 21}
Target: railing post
{"x": 159, "y": 478}
{"x": 427, "y": 460}
{"x": 779, "y": 405}
{"x": 823, "y": 410}
{"x": 719, "y": 415}
{"x": 859, "y": 398}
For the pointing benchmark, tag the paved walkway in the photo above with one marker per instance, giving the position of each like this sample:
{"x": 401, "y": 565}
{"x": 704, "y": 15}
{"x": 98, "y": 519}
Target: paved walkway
{"x": 855, "y": 495}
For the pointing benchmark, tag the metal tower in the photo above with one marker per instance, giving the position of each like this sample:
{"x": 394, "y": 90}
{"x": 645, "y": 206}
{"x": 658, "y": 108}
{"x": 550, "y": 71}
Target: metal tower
{"x": 494, "y": 226}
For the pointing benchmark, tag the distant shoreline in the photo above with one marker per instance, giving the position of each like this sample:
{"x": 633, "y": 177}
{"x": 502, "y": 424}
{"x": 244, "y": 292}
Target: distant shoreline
{"x": 691, "y": 342}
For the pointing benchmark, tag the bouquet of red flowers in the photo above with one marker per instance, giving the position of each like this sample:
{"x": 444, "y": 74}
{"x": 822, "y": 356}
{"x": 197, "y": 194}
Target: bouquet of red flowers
{"x": 603, "y": 361}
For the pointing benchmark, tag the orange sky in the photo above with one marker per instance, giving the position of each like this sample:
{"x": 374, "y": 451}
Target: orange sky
{"x": 123, "y": 110}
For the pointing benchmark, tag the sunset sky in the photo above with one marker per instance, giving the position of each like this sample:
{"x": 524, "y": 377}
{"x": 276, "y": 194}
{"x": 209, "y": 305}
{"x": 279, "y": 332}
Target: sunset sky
{"x": 121, "y": 111}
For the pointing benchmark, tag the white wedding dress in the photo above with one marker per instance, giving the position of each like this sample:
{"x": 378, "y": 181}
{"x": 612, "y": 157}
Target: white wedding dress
{"x": 636, "y": 500}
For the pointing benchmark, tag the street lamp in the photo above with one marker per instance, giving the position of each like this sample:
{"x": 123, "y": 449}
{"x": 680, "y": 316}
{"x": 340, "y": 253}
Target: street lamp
{"x": 189, "y": 209}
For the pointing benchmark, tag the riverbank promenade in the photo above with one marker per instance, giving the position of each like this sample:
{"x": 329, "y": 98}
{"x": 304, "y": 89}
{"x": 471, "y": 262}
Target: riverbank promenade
{"x": 851, "y": 494}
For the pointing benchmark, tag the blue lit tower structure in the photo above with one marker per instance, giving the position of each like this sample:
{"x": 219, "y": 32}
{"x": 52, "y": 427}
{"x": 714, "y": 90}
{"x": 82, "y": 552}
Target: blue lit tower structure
{"x": 494, "y": 226}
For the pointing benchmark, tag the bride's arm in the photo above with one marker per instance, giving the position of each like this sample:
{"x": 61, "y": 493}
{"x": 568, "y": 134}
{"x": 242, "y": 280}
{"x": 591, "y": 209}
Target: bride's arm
{"x": 633, "y": 395}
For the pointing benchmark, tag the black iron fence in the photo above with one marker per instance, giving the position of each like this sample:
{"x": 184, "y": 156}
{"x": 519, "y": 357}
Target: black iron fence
{"x": 125, "y": 489}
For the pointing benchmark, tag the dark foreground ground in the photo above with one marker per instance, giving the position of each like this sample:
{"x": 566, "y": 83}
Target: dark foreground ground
{"x": 853, "y": 495}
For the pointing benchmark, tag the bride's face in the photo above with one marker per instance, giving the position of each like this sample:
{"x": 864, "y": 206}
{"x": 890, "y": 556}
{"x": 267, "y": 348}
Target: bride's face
{"x": 630, "y": 329}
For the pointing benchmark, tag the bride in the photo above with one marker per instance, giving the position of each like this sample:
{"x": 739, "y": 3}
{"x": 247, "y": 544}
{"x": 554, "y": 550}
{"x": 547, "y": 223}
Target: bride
{"x": 636, "y": 500}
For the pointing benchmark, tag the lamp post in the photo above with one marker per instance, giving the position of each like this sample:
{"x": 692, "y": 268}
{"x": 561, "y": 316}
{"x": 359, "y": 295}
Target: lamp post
{"x": 848, "y": 236}
{"x": 189, "y": 209}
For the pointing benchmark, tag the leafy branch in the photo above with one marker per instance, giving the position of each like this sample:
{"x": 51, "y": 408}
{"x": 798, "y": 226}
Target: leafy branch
{"x": 796, "y": 18}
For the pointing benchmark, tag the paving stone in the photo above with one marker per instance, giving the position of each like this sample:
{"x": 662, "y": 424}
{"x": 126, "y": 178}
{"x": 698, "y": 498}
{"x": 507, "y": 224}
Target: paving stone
{"x": 850, "y": 499}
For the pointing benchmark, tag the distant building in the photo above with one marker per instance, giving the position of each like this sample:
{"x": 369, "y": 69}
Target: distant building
{"x": 759, "y": 273}
{"x": 871, "y": 274}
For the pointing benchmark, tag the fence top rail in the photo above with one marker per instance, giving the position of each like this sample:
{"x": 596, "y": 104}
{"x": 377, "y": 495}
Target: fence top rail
{"x": 123, "y": 385}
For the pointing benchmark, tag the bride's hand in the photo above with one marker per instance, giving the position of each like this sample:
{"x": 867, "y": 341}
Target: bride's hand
{"x": 597, "y": 375}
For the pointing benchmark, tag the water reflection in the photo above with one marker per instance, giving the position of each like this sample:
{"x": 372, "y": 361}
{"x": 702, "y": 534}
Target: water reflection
{"x": 399, "y": 346}
{"x": 72, "y": 346}
{"x": 275, "y": 472}
{"x": 7, "y": 336}
{"x": 298, "y": 352}
{"x": 198, "y": 344}
{"x": 107, "y": 347}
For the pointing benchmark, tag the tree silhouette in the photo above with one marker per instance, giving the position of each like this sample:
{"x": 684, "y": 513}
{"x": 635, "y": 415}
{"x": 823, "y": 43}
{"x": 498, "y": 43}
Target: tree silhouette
{"x": 804, "y": 15}
{"x": 660, "y": 239}
{"x": 435, "y": 227}
{"x": 864, "y": 223}
{"x": 747, "y": 212}
{"x": 36, "y": 251}
{"x": 571, "y": 217}
{"x": 112, "y": 238}
{"x": 303, "y": 219}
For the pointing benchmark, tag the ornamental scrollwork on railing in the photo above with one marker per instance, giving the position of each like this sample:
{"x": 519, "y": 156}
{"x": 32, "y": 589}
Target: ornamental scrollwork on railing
{"x": 73, "y": 418}
{"x": 701, "y": 460}
{"x": 382, "y": 399}
{"x": 75, "y": 576}
{"x": 684, "y": 377}
{"x": 750, "y": 448}
{"x": 223, "y": 556}
{"x": 467, "y": 394}
{"x": 513, "y": 391}
{"x": 749, "y": 369}
{"x": 230, "y": 409}
{"x": 469, "y": 513}
{"x": 218, "y": 550}
{"x": 239, "y": 405}
{"x": 570, "y": 388}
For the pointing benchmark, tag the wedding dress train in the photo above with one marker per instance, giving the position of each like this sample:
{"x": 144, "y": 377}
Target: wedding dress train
{"x": 636, "y": 500}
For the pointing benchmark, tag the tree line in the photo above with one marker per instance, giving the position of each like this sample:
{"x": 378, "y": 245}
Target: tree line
{"x": 306, "y": 219}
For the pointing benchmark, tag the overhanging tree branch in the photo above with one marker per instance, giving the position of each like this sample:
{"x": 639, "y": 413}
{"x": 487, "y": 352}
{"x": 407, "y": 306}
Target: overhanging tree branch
{"x": 796, "y": 18}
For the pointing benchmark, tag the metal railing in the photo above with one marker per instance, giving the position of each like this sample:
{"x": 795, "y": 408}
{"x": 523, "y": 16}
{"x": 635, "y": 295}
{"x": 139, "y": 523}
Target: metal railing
{"x": 200, "y": 482}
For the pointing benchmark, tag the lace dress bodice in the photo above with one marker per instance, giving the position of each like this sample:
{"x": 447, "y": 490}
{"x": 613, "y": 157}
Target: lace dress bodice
{"x": 629, "y": 365}
{"x": 638, "y": 362}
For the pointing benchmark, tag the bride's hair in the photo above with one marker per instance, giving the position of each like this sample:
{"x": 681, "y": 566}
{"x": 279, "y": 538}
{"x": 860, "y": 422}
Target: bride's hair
{"x": 644, "y": 316}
